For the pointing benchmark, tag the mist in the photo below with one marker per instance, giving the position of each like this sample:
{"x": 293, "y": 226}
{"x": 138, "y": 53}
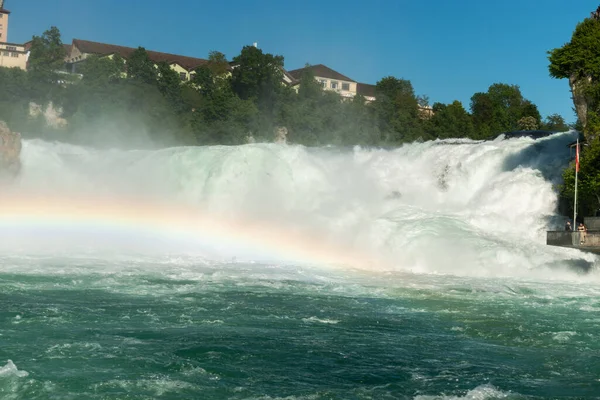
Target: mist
{"x": 473, "y": 208}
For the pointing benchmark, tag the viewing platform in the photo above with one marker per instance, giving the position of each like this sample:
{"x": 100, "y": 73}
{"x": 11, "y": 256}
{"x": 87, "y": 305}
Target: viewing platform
{"x": 572, "y": 239}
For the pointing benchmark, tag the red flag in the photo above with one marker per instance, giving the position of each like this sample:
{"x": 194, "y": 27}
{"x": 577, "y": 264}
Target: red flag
{"x": 577, "y": 158}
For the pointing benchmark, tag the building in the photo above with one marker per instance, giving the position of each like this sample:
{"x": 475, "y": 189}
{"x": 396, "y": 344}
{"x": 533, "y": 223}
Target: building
{"x": 345, "y": 86}
{"x": 332, "y": 80}
{"x": 11, "y": 54}
{"x": 79, "y": 50}
{"x": 328, "y": 79}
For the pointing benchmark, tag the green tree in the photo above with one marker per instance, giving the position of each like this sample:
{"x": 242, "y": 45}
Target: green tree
{"x": 309, "y": 88}
{"x": 555, "y": 122}
{"x": 527, "y": 124}
{"x": 500, "y": 109}
{"x": 140, "y": 67}
{"x": 588, "y": 183}
{"x": 169, "y": 85}
{"x": 397, "y": 109}
{"x": 450, "y": 121}
{"x": 579, "y": 62}
{"x": 46, "y": 58}
{"x": 101, "y": 71}
{"x": 217, "y": 64}
{"x": 257, "y": 76}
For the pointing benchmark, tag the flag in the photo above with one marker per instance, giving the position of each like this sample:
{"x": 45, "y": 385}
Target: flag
{"x": 577, "y": 157}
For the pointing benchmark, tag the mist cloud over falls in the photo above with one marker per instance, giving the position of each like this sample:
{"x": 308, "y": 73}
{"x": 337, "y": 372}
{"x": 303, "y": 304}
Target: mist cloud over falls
{"x": 444, "y": 206}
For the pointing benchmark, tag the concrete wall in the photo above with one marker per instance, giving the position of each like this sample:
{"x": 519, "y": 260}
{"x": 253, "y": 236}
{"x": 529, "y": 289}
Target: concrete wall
{"x": 572, "y": 239}
{"x": 4, "y": 27}
{"x": 592, "y": 223}
{"x": 562, "y": 238}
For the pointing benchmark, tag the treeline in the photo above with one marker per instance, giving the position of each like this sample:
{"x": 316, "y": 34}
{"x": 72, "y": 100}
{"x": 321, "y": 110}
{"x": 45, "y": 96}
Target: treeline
{"x": 119, "y": 101}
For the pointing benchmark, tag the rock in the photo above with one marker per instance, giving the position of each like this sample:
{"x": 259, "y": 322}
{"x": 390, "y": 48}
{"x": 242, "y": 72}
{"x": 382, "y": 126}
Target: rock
{"x": 280, "y": 133}
{"x": 10, "y": 150}
{"x": 52, "y": 116}
{"x": 580, "y": 100}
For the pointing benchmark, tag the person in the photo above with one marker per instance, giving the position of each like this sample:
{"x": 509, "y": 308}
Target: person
{"x": 582, "y": 232}
{"x": 568, "y": 226}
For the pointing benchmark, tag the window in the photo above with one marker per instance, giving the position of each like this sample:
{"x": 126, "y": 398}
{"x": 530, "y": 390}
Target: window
{"x": 5, "y": 53}
{"x": 11, "y": 48}
{"x": 345, "y": 86}
{"x": 183, "y": 76}
{"x": 192, "y": 76}
{"x": 14, "y": 55}
{"x": 334, "y": 84}
{"x": 323, "y": 83}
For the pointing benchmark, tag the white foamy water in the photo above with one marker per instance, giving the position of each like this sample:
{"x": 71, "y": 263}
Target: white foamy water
{"x": 445, "y": 207}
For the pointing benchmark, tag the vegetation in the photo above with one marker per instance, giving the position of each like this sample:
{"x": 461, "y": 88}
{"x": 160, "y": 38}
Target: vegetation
{"x": 133, "y": 102}
{"x": 579, "y": 61}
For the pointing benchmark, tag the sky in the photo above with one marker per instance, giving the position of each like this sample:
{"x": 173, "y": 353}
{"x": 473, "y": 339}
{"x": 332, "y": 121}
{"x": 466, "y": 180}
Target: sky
{"x": 448, "y": 50}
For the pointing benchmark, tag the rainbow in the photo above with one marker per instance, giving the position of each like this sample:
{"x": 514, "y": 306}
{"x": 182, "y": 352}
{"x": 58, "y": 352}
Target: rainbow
{"x": 178, "y": 222}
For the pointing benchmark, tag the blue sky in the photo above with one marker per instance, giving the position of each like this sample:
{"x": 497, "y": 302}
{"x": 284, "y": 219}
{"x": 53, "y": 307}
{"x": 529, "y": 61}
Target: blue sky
{"x": 449, "y": 50}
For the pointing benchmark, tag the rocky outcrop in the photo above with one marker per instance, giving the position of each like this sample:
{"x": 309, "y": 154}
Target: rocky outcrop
{"x": 52, "y": 116}
{"x": 579, "y": 99}
{"x": 10, "y": 151}
{"x": 280, "y": 134}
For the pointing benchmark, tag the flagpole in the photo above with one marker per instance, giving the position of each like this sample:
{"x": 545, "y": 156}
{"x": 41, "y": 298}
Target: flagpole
{"x": 576, "y": 170}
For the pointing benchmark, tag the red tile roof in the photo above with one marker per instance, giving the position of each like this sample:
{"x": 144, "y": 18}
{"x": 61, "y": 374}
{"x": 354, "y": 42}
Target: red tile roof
{"x": 321, "y": 71}
{"x": 86, "y": 46}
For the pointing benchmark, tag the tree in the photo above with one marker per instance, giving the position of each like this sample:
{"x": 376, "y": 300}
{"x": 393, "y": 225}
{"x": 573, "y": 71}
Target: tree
{"x": 423, "y": 100}
{"x": 140, "y": 67}
{"x": 579, "y": 62}
{"x": 527, "y": 124}
{"x": 217, "y": 64}
{"x": 450, "y": 121}
{"x": 588, "y": 184}
{"x": 309, "y": 88}
{"x": 397, "y": 109}
{"x": 169, "y": 85}
{"x": 257, "y": 76}
{"x": 555, "y": 122}
{"x": 47, "y": 57}
{"x": 500, "y": 109}
{"x": 101, "y": 71}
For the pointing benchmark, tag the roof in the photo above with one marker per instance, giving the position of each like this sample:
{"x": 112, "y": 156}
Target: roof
{"x": 321, "y": 71}
{"x": 86, "y": 46}
{"x": 364, "y": 89}
{"x": 292, "y": 81}
{"x": 4, "y": 11}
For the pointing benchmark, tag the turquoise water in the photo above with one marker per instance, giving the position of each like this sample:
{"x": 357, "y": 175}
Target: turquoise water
{"x": 248, "y": 331}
